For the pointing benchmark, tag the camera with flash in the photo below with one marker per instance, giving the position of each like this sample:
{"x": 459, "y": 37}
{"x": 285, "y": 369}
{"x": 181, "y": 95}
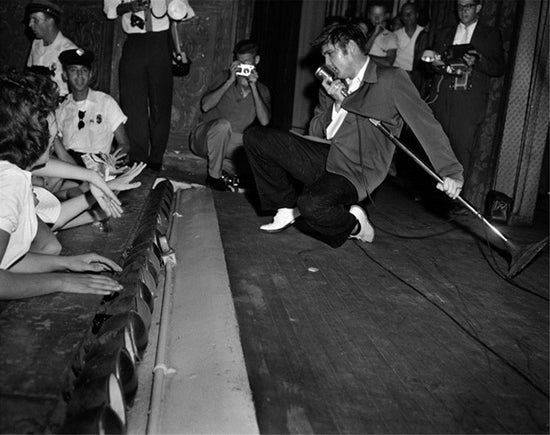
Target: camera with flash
{"x": 244, "y": 70}
{"x": 452, "y": 63}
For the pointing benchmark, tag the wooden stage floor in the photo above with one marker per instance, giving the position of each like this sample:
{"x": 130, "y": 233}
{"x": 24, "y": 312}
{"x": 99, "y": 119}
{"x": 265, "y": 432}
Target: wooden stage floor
{"x": 415, "y": 333}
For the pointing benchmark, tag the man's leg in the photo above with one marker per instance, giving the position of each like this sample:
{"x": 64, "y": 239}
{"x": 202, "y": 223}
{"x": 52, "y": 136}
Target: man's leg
{"x": 324, "y": 206}
{"x": 160, "y": 95}
{"x": 133, "y": 97}
{"x": 235, "y": 156}
{"x": 276, "y": 158}
{"x": 211, "y": 140}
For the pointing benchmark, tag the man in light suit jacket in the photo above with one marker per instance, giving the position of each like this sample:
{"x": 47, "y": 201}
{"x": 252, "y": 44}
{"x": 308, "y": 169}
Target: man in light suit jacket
{"x": 459, "y": 103}
{"x": 345, "y": 157}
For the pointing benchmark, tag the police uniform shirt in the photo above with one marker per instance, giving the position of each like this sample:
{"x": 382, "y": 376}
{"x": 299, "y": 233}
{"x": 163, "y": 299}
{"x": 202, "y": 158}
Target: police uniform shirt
{"x": 48, "y": 56}
{"x": 102, "y": 116}
{"x": 158, "y": 14}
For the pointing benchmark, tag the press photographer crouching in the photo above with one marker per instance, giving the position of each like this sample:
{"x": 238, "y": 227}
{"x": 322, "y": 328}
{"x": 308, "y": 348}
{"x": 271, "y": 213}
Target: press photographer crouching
{"x": 235, "y": 100}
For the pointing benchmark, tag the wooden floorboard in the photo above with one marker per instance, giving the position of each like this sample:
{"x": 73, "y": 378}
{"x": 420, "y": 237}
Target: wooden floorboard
{"x": 405, "y": 335}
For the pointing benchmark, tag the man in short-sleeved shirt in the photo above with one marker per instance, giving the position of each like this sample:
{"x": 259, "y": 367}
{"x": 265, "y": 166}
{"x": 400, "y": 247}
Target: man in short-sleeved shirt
{"x": 44, "y": 17}
{"x": 101, "y": 119}
{"x": 231, "y": 104}
{"x": 88, "y": 120}
{"x": 384, "y": 47}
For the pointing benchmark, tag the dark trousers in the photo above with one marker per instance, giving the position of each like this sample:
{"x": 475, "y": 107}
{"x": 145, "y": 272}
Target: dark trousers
{"x": 278, "y": 159}
{"x": 146, "y": 94}
{"x": 461, "y": 114}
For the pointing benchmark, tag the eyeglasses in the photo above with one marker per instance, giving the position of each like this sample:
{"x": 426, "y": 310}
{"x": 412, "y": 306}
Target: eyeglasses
{"x": 81, "y": 123}
{"x": 467, "y": 7}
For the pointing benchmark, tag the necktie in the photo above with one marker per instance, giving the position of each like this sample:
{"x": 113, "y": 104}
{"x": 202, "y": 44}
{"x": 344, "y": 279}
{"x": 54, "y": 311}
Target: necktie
{"x": 465, "y": 35}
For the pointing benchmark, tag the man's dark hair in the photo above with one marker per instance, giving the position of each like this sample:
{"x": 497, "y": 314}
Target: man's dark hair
{"x": 409, "y": 5}
{"x": 246, "y": 46}
{"x": 340, "y": 35}
{"x": 378, "y": 4}
{"x": 26, "y": 100}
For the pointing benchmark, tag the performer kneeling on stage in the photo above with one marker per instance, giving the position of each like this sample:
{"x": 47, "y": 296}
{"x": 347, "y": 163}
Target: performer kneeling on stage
{"x": 345, "y": 157}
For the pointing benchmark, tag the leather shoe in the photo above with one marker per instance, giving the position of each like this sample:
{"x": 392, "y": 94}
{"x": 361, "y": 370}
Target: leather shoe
{"x": 366, "y": 230}
{"x": 216, "y": 183}
{"x": 284, "y": 218}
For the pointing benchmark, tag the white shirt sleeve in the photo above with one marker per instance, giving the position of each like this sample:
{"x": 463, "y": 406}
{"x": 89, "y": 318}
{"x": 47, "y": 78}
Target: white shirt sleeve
{"x": 109, "y": 8}
{"x": 114, "y": 113}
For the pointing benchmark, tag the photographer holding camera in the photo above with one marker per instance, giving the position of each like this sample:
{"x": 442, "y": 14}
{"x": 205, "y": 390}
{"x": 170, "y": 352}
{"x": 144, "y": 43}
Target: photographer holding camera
{"x": 233, "y": 102}
{"x": 470, "y": 54}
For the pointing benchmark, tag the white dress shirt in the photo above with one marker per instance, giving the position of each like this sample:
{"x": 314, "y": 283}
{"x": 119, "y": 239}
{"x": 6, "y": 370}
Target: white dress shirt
{"x": 464, "y": 34}
{"x": 338, "y": 116}
{"x": 158, "y": 13}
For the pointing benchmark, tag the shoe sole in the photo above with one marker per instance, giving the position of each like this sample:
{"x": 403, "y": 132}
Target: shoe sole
{"x": 278, "y": 230}
{"x": 371, "y": 228}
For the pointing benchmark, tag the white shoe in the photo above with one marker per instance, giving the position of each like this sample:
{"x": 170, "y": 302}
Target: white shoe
{"x": 284, "y": 218}
{"x": 366, "y": 230}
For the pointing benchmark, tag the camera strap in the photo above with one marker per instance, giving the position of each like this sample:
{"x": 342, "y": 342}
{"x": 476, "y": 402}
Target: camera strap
{"x": 461, "y": 82}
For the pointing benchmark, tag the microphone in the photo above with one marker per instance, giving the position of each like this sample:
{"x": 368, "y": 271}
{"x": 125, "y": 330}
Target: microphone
{"x": 325, "y": 72}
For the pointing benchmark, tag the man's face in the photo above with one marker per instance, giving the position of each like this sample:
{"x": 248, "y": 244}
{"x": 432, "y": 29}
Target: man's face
{"x": 338, "y": 60}
{"x": 377, "y": 15}
{"x": 409, "y": 16}
{"x": 247, "y": 58}
{"x": 78, "y": 77}
{"x": 38, "y": 22}
{"x": 468, "y": 11}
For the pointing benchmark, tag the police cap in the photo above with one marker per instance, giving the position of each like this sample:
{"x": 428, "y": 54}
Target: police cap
{"x": 77, "y": 56}
{"x": 44, "y": 6}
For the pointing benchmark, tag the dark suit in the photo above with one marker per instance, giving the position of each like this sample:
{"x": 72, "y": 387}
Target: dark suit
{"x": 338, "y": 173}
{"x": 462, "y": 112}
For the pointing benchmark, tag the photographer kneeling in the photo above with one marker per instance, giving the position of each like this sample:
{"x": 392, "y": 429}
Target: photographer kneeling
{"x": 232, "y": 103}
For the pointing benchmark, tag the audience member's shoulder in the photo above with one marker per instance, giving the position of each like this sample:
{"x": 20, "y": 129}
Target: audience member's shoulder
{"x": 11, "y": 174}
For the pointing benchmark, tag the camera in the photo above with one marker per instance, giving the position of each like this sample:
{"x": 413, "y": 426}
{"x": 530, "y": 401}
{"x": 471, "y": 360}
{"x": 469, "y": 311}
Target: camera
{"x": 452, "y": 58}
{"x": 453, "y": 64}
{"x": 244, "y": 70}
